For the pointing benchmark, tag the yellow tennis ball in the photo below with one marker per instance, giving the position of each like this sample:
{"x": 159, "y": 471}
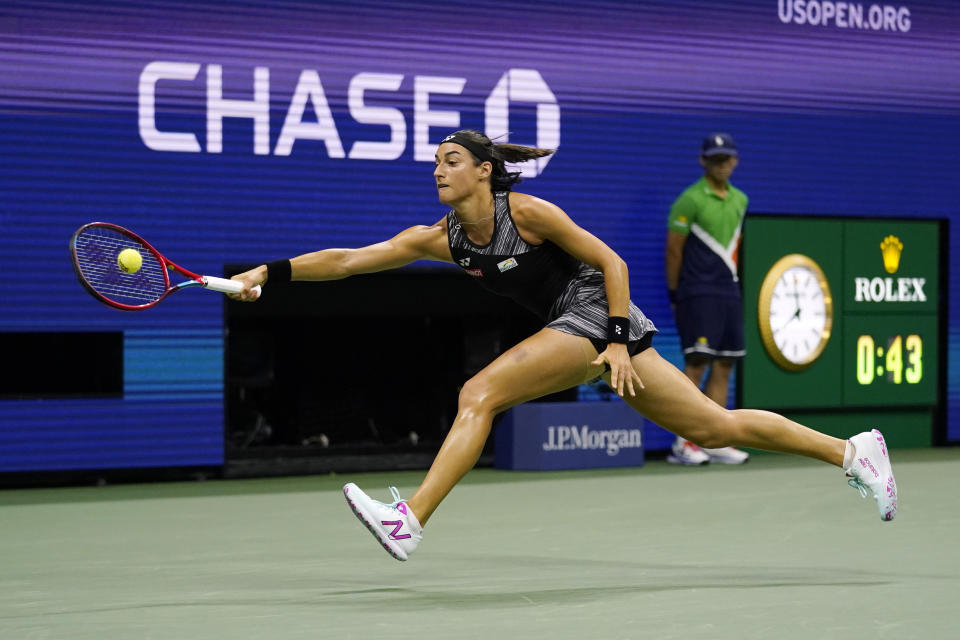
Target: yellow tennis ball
{"x": 129, "y": 260}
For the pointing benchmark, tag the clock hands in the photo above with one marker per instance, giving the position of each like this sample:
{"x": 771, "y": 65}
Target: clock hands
{"x": 798, "y": 279}
{"x": 796, "y": 296}
{"x": 796, "y": 313}
{"x": 795, "y": 316}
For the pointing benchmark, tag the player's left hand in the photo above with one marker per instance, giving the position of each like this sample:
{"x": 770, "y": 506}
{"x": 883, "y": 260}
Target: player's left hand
{"x": 622, "y": 373}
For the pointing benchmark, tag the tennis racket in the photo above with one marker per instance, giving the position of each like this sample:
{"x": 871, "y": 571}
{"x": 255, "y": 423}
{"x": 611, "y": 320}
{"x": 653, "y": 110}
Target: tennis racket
{"x": 126, "y": 282}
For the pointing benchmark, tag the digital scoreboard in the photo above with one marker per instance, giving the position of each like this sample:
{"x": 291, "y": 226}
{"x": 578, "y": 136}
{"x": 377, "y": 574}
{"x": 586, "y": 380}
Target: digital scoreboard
{"x": 843, "y": 323}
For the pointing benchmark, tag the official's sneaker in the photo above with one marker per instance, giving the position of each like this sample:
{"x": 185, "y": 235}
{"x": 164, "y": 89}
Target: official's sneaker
{"x": 726, "y": 455}
{"x": 871, "y": 470}
{"x": 685, "y": 452}
{"x": 393, "y": 525}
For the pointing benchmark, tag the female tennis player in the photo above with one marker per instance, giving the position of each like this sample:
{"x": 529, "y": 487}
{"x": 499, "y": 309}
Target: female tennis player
{"x": 530, "y": 250}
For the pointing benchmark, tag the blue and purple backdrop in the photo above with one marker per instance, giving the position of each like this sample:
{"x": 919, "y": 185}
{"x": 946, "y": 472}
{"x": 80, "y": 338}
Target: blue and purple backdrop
{"x": 230, "y": 133}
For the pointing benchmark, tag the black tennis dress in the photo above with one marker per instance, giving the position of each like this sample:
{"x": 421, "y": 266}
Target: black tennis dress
{"x": 565, "y": 293}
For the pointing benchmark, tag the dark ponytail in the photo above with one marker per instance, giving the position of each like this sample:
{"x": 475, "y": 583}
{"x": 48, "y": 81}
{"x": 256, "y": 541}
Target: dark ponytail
{"x": 497, "y": 155}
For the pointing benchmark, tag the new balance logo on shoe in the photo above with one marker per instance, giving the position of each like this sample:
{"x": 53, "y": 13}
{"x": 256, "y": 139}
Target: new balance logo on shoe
{"x": 397, "y": 525}
{"x": 386, "y": 521}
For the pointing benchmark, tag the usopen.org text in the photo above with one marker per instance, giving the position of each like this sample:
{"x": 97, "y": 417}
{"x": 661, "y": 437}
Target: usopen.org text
{"x": 845, "y": 15}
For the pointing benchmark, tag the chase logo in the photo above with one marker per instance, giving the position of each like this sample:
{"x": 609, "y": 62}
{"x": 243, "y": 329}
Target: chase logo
{"x": 515, "y": 86}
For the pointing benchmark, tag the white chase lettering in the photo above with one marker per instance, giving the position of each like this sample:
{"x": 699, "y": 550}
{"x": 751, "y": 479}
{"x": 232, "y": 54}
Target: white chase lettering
{"x": 309, "y": 89}
{"x": 257, "y": 109}
{"x": 514, "y": 86}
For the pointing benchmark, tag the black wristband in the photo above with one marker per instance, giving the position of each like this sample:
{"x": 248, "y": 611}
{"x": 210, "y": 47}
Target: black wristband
{"x": 672, "y": 294}
{"x": 618, "y": 329}
{"x": 278, "y": 271}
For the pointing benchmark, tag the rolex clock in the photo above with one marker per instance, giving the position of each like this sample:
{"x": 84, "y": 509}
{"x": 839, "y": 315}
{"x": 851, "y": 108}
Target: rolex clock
{"x": 795, "y": 312}
{"x": 845, "y": 323}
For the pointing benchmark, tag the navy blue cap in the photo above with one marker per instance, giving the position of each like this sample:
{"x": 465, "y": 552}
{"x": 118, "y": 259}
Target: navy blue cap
{"x": 716, "y": 144}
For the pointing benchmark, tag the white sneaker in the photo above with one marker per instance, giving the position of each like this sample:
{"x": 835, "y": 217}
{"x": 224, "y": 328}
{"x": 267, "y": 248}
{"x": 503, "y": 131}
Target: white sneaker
{"x": 685, "y": 452}
{"x": 394, "y": 525}
{"x": 871, "y": 470}
{"x": 727, "y": 455}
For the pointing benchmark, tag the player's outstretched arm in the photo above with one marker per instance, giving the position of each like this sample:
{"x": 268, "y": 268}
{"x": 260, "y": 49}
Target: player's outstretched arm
{"x": 416, "y": 243}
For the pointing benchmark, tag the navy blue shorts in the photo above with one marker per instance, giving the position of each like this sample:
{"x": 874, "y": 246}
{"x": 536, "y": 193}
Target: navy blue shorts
{"x": 710, "y": 327}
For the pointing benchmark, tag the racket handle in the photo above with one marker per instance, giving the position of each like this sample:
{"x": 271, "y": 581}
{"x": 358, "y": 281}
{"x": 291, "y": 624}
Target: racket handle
{"x": 226, "y": 286}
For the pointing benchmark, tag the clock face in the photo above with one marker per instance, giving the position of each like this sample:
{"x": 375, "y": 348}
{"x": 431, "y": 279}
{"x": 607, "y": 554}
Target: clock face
{"x": 796, "y": 312}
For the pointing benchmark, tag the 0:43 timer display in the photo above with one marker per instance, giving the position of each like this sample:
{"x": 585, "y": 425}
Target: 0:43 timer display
{"x": 890, "y": 360}
{"x": 898, "y": 359}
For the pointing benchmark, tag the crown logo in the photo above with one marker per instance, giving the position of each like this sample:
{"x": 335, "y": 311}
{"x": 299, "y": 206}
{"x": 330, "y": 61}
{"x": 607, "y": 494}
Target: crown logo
{"x": 890, "y": 248}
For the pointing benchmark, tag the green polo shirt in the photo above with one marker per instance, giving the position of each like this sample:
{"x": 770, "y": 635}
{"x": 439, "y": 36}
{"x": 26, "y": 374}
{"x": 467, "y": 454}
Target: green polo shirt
{"x": 713, "y": 225}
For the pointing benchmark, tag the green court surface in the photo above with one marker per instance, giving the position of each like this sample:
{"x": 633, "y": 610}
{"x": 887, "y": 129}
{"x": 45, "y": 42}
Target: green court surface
{"x": 780, "y": 548}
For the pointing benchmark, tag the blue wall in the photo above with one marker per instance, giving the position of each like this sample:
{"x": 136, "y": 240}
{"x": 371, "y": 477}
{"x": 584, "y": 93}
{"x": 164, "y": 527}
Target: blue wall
{"x": 832, "y": 119}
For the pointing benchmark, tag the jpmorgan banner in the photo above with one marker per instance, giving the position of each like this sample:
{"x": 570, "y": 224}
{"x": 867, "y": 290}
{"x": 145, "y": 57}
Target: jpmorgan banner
{"x": 564, "y": 435}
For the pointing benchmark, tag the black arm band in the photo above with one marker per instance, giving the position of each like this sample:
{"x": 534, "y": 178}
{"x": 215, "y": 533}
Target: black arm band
{"x": 618, "y": 329}
{"x": 278, "y": 271}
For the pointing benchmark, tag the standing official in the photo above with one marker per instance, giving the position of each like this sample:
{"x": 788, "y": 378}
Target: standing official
{"x": 701, "y": 262}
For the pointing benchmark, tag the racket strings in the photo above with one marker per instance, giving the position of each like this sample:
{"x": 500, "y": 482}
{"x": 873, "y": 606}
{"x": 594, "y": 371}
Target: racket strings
{"x": 97, "y": 250}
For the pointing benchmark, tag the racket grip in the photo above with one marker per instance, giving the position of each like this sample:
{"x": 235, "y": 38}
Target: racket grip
{"x": 224, "y": 285}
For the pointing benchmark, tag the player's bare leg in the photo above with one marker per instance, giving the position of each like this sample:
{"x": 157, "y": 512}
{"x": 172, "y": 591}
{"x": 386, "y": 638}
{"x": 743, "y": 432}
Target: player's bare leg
{"x": 546, "y": 362}
{"x": 683, "y": 451}
{"x": 717, "y": 388}
{"x": 671, "y": 400}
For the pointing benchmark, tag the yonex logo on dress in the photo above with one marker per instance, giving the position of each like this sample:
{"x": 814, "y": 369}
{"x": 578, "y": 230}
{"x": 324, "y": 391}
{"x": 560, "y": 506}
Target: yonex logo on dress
{"x": 464, "y": 262}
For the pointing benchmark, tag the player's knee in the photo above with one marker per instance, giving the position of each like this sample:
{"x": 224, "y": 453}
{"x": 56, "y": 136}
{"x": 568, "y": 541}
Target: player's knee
{"x": 475, "y": 396}
{"x": 720, "y": 433}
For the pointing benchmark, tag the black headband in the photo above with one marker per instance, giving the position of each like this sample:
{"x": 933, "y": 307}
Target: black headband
{"x": 470, "y": 145}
